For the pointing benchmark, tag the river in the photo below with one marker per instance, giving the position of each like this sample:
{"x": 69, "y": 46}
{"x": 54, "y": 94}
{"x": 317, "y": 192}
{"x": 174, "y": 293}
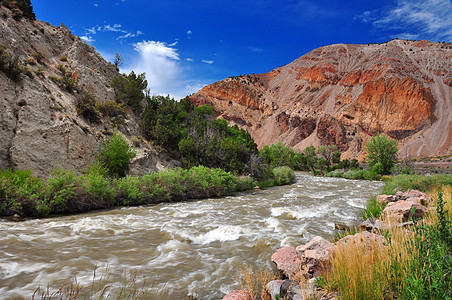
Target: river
{"x": 181, "y": 248}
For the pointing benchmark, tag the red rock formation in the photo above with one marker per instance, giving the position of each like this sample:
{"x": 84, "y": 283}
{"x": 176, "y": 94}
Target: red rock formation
{"x": 343, "y": 94}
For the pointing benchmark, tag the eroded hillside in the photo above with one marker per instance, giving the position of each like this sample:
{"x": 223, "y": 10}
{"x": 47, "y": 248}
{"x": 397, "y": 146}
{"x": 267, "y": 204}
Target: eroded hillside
{"x": 343, "y": 94}
{"x": 45, "y": 71}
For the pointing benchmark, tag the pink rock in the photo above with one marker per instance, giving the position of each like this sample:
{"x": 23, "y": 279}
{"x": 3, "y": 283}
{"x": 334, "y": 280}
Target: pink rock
{"x": 274, "y": 288}
{"x": 385, "y": 199}
{"x": 401, "y": 210}
{"x": 237, "y": 295}
{"x": 314, "y": 254}
{"x": 365, "y": 237}
{"x": 287, "y": 261}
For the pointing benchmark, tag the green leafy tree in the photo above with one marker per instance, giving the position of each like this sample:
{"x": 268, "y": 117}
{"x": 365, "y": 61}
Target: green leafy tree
{"x": 130, "y": 90}
{"x": 382, "y": 149}
{"x": 311, "y": 157}
{"x": 116, "y": 155}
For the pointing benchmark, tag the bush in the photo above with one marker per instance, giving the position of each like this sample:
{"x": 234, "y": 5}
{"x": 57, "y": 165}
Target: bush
{"x": 418, "y": 182}
{"x": 113, "y": 110}
{"x": 86, "y": 107}
{"x": 18, "y": 191}
{"x": 284, "y": 175}
{"x": 66, "y": 81}
{"x": 373, "y": 209}
{"x": 130, "y": 90}
{"x": 382, "y": 149}
{"x": 60, "y": 190}
{"x": 116, "y": 155}
{"x": 280, "y": 155}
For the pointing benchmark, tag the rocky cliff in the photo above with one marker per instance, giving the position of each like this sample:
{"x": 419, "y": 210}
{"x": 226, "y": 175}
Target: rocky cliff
{"x": 343, "y": 94}
{"x": 39, "y": 125}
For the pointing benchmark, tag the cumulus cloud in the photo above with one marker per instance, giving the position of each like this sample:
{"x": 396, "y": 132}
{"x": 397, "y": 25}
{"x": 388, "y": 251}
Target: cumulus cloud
{"x": 189, "y": 59}
{"x": 162, "y": 64}
{"x": 426, "y": 19}
{"x": 207, "y": 61}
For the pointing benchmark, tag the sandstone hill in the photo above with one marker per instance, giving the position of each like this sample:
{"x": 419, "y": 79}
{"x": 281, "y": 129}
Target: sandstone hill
{"x": 343, "y": 94}
{"x": 39, "y": 125}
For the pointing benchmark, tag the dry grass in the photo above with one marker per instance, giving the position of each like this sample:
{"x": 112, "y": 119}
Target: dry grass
{"x": 132, "y": 286}
{"x": 360, "y": 272}
{"x": 254, "y": 282}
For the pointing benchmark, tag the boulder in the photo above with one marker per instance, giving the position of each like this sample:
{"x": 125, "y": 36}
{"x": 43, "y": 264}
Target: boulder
{"x": 402, "y": 210}
{"x": 415, "y": 195}
{"x": 371, "y": 225}
{"x": 365, "y": 237}
{"x": 274, "y": 289}
{"x": 287, "y": 261}
{"x": 312, "y": 255}
{"x": 385, "y": 199}
{"x": 296, "y": 290}
{"x": 238, "y": 295}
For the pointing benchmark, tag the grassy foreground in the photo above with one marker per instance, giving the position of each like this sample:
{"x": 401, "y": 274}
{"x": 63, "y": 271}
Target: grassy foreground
{"x": 65, "y": 192}
{"x": 414, "y": 263}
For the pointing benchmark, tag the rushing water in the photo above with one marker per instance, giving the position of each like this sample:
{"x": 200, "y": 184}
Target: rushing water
{"x": 182, "y": 248}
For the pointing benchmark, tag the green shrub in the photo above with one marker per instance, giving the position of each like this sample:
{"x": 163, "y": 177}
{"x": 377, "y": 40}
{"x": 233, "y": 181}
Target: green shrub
{"x": 116, "y": 155}
{"x": 86, "y": 106}
{"x": 373, "y": 209}
{"x": 98, "y": 189}
{"x": 130, "y": 90}
{"x": 23, "y": 7}
{"x": 131, "y": 189}
{"x": 202, "y": 182}
{"x": 424, "y": 183}
{"x": 284, "y": 175}
{"x": 431, "y": 266}
{"x": 60, "y": 190}
{"x": 66, "y": 81}
{"x": 113, "y": 110}
{"x": 18, "y": 191}
{"x": 280, "y": 155}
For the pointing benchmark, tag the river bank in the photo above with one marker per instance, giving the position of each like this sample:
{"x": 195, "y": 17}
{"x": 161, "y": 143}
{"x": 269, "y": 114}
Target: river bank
{"x": 24, "y": 195}
{"x": 194, "y": 247}
{"x": 402, "y": 251}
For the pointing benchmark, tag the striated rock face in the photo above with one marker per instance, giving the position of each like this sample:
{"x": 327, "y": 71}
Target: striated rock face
{"x": 343, "y": 94}
{"x": 39, "y": 125}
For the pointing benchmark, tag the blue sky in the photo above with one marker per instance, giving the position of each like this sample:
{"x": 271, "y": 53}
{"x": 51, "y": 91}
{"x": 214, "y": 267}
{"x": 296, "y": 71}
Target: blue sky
{"x": 185, "y": 45}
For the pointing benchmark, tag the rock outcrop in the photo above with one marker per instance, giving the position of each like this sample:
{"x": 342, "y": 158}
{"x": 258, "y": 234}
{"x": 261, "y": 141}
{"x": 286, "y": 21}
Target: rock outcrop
{"x": 39, "y": 126}
{"x": 343, "y": 94}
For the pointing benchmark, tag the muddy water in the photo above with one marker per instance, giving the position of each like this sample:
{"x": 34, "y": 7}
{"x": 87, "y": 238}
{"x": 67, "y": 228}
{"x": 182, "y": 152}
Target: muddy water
{"x": 179, "y": 248}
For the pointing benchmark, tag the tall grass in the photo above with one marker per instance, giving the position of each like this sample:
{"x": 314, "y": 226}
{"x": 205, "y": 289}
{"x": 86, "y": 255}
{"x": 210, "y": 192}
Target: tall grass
{"x": 415, "y": 263}
{"x": 254, "y": 282}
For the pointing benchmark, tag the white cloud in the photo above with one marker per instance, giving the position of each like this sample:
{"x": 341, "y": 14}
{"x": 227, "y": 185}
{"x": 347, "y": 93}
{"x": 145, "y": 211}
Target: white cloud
{"x": 207, "y": 61}
{"x": 189, "y": 32}
{"x": 87, "y": 38}
{"x": 115, "y": 28}
{"x": 426, "y": 19}
{"x": 160, "y": 62}
{"x": 96, "y": 5}
{"x": 190, "y": 59}
{"x": 164, "y": 73}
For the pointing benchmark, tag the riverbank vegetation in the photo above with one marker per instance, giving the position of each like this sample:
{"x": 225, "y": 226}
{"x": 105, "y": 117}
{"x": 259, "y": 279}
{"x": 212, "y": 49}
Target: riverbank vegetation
{"x": 64, "y": 192}
{"x": 105, "y": 185}
{"x": 414, "y": 263}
